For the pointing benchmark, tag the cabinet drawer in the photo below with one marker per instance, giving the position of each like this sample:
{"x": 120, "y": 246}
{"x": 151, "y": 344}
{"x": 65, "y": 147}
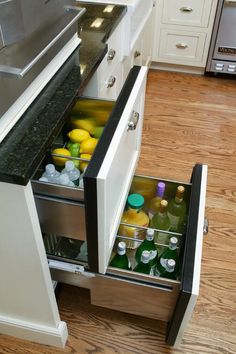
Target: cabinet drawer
{"x": 187, "y": 12}
{"x": 181, "y": 47}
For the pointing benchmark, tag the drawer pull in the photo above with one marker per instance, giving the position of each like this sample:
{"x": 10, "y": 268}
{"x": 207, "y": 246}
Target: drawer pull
{"x": 111, "y": 54}
{"x": 133, "y": 121}
{"x": 181, "y": 45}
{"x": 137, "y": 54}
{"x": 205, "y": 226}
{"x": 111, "y": 81}
{"x": 186, "y": 9}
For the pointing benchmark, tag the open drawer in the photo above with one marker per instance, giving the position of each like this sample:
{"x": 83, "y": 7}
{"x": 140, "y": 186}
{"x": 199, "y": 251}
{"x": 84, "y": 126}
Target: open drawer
{"x": 99, "y": 204}
{"x": 137, "y": 293}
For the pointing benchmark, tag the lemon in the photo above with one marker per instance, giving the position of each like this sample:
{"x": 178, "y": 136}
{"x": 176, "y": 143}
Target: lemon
{"x": 88, "y": 146}
{"x": 78, "y": 135}
{"x": 84, "y": 164}
{"x": 85, "y": 124}
{"x": 60, "y": 161}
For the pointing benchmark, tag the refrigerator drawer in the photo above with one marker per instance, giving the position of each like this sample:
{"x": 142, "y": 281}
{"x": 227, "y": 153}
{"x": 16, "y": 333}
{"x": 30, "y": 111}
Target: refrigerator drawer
{"x": 61, "y": 217}
{"x": 109, "y": 172}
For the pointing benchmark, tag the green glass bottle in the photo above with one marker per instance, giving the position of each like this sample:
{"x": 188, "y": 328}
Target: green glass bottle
{"x": 169, "y": 271}
{"x": 177, "y": 211}
{"x": 120, "y": 260}
{"x": 170, "y": 253}
{"x": 161, "y": 221}
{"x": 148, "y": 245}
{"x": 144, "y": 265}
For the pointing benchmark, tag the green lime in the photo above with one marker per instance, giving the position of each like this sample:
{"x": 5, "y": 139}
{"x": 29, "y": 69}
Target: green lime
{"x": 74, "y": 148}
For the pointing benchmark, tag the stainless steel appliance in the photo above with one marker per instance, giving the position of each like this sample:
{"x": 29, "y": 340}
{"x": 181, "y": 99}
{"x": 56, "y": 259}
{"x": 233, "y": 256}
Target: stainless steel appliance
{"x": 32, "y": 34}
{"x": 222, "y": 52}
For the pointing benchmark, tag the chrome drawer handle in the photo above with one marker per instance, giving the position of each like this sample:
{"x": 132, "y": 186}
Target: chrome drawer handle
{"x": 111, "y": 81}
{"x": 111, "y": 54}
{"x": 133, "y": 121}
{"x": 181, "y": 45}
{"x": 205, "y": 226}
{"x": 186, "y": 9}
{"x": 137, "y": 54}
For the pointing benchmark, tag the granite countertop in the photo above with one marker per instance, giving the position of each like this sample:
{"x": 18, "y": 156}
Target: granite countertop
{"x": 23, "y": 149}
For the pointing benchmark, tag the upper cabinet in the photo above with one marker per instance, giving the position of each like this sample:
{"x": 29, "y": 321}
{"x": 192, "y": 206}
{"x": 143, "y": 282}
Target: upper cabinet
{"x": 182, "y": 33}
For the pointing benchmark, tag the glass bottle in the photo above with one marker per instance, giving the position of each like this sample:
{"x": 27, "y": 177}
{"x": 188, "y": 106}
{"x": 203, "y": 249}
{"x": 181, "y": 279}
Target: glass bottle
{"x": 148, "y": 245}
{"x": 169, "y": 271}
{"x": 177, "y": 210}
{"x": 144, "y": 265}
{"x": 161, "y": 221}
{"x": 170, "y": 253}
{"x": 156, "y": 201}
{"x": 136, "y": 216}
{"x": 120, "y": 260}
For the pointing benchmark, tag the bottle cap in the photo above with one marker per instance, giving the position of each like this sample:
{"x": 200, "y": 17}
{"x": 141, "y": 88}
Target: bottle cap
{"x": 161, "y": 189}
{"x": 180, "y": 192}
{"x": 150, "y": 234}
{"x": 135, "y": 201}
{"x": 50, "y": 168}
{"x": 145, "y": 257}
{"x": 173, "y": 241}
{"x": 121, "y": 248}
{"x": 163, "y": 205}
{"x": 170, "y": 263}
{"x": 69, "y": 165}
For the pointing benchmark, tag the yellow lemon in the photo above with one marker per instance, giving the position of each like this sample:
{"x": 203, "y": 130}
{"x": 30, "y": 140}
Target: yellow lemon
{"x": 85, "y": 124}
{"x": 60, "y": 161}
{"x": 84, "y": 164}
{"x": 78, "y": 135}
{"x": 88, "y": 146}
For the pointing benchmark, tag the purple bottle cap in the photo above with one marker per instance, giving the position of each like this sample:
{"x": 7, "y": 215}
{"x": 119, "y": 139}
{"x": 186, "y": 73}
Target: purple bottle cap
{"x": 161, "y": 189}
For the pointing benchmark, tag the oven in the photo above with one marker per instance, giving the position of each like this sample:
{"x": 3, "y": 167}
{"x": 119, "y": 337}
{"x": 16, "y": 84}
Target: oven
{"x": 222, "y": 53}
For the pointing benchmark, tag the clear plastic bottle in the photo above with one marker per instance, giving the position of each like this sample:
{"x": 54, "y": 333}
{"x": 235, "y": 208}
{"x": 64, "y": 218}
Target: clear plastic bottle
{"x": 156, "y": 201}
{"x": 136, "y": 216}
{"x": 72, "y": 172}
{"x": 64, "y": 180}
{"x": 51, "y": 173}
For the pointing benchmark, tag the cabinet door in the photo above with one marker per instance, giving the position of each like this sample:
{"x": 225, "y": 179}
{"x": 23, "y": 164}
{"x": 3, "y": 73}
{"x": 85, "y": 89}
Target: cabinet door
{"x": 191, "y": 258}
{"x": 109, "y": 174}
{"x": 187, "y": 12}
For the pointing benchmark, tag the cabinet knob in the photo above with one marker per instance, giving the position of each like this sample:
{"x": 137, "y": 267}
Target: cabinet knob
{"x": 111, "y": 81}
{"x": 181, "y": 45}
{"x": 186, "y": 9}
{"x": 111, "y": 54}
{"x": 205, "y": 226}
{"x": 133, "y": 121}
{"x": 137, "y": 54}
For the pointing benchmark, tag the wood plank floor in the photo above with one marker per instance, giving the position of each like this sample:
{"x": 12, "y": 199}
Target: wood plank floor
{"x": 188, "y": 119}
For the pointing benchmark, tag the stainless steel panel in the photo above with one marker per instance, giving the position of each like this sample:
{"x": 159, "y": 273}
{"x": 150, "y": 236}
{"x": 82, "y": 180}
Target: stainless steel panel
{"x": 61, "y": 217}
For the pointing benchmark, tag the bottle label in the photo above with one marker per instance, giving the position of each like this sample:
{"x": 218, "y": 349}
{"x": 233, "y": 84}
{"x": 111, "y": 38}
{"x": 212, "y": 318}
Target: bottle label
{"x": 163, "y": 262}
{"x": 152, "y": 270}
{"x": 153, "y": 254}
{"x": 150, "y": 215}
{"x": 174, "y": 221}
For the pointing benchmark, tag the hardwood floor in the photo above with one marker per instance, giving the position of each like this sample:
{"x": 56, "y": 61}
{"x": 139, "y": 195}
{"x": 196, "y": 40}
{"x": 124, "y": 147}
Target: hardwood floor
{"x": 188, "y": 119}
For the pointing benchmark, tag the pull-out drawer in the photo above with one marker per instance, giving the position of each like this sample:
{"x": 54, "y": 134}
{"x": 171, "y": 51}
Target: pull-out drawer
{"x": 107, "y": 178}
{"x": 137, "y": 293}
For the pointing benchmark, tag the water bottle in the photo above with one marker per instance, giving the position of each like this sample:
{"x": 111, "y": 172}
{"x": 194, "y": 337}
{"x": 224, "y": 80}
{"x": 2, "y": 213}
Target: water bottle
{"x": 72, "y": 172}
{"x": 43, "y": 179}
{"x": 64, "y": 180}
{"x": 81, "y": 180}
{"x": 51, "y": 173}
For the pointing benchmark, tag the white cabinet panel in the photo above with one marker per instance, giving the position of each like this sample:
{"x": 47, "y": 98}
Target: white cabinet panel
{"x": 187, "y": 12}
{"x": 179, "y": 46}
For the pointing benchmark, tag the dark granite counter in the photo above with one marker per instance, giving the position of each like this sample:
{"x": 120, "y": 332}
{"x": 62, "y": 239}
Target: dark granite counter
{"x": 24, "y": 147}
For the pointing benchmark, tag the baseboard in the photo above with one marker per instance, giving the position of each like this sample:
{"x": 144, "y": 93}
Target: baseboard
{"x": 178, "y": 68}
{"x": 55, "y": 336}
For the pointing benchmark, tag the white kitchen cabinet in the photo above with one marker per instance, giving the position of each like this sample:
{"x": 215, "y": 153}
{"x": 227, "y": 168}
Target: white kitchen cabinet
{"x": 182, "y": 34}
